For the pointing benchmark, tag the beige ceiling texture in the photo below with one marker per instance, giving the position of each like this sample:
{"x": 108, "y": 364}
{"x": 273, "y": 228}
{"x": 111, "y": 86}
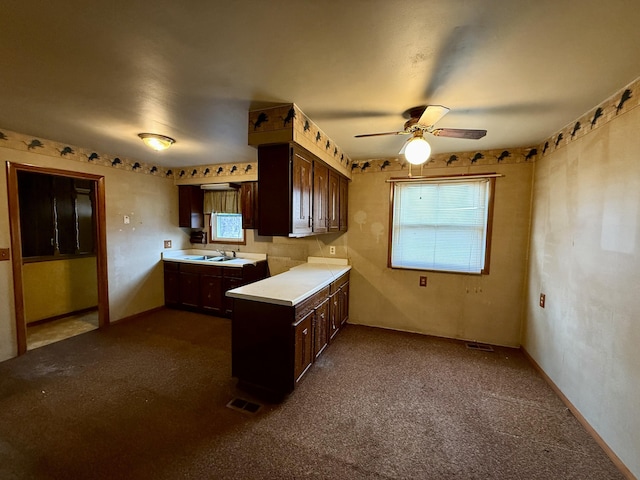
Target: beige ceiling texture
{"x": 95, "y": 74}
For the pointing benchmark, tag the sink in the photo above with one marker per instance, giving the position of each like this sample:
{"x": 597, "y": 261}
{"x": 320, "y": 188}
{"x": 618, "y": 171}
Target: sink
{"x": 199, "y": 257}
{"x": 218, "y": 259}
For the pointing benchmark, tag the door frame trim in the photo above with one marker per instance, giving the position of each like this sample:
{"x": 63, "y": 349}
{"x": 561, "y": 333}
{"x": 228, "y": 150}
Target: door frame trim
{"x": 16, "y": 243}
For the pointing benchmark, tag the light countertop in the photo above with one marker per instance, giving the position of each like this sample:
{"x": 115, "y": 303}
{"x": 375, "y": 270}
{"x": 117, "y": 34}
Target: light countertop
{"x": 192, "y": 256}
{"x": 293, "y": 286}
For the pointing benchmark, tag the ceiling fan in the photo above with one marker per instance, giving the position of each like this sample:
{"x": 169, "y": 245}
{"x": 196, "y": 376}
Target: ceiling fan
{"x": 422, "y": 120}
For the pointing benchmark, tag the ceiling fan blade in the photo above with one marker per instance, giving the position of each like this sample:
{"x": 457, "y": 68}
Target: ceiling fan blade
{"x": 459, "y": 133}
{"x": 432, "y": 114}
{"x": 401, "y": 152}
{"x": 380, "y": 134}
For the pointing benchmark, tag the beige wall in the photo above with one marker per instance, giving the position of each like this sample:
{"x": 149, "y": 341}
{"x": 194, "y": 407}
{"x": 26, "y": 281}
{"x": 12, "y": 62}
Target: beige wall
{"x": 485, "y": 308}
{"x": 133, "y": 250}
{"x": 59, "y": 286}
{"x": 585, "y": 256}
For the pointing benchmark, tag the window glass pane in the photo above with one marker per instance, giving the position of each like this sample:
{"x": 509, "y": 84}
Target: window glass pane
{"x": 227, "y": 226}
{"x": 440, "y": 226}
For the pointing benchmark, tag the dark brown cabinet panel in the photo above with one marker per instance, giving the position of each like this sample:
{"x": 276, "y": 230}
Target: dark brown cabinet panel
{"x": 202, "y": 287}
{"x": 344, "y": 203}
{"x": 334, "y": 201}
{"x": 190, "y": 206}
{"x": 320, "y": 328}
{"x": 303, "y": 351}
{"x": 295, "y": 197}
{"x": 249, "y": 202}
{"x": 211, "y": 292}
{"x": 302, "y": 194}
{"x": 272, "y": 346}
{"x": 320, "y": 197}
{"x": 171, "y": 284}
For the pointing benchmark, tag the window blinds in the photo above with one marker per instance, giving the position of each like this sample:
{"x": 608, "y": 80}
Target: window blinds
{"x": 440, "y": 225}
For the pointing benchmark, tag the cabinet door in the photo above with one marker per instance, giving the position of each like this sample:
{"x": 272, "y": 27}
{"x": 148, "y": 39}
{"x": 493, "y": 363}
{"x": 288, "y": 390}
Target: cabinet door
{"x": 344, "y": 202}
{"x": 334, "y": 201}
{"x": 320, "y": 198}
{"x": 321, "y": 317}
{"x": 249, "y": 202}
{"x": 344, "y": 303}
{"x": 171, "y": 289}
{"x": 334, "y": 315}
{"x": 303, "y": 355}
{"x": 211, "y": 293}
{"x": 301, "y": 194}
{"x": 190, "y": 289}
{"x": 190, "y": 206}
{"x": 229, "y": 284}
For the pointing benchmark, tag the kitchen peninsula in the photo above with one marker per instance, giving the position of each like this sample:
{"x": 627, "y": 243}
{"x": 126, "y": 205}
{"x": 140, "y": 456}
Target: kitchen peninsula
{"x": 283, "y": 323}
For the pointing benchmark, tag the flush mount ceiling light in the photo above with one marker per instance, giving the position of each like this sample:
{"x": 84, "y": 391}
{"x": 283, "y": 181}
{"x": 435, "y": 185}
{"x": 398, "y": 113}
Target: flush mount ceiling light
{"x": 155, "y": 141}
{"x": 417, "y": 150}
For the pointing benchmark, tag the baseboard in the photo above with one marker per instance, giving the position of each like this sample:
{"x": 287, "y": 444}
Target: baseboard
{"x": 583, "y": 421}
{"x": 140, "y": 314}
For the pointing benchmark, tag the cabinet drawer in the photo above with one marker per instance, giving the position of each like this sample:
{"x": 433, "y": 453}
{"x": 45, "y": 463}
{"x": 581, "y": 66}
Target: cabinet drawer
{"x": 304, "y": 307}
{"x": 171, "y": 266}
{"x": 233, "y": 272}
{"x": 335, "y": 285}
{"x": 189, "y": 268}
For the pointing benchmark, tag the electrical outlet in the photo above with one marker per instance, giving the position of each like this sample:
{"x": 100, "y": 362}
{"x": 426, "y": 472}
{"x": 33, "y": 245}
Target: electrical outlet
{"x": 332, "y": 250}
{"x": 4, "y": 254}
{"x": 167, "y": 244}
{"x": 423, "y": 281}
{"x": 543, "y": 299}
{"x": 126, "y": 220}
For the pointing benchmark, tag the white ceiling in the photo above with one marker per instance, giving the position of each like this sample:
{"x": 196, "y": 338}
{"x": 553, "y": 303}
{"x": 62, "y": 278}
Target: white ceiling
{"x": 95, "y": 74}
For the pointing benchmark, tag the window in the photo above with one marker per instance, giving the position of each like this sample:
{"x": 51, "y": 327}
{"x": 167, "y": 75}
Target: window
{"x": 442, "y": 224}
{"x": 227, "y": 227}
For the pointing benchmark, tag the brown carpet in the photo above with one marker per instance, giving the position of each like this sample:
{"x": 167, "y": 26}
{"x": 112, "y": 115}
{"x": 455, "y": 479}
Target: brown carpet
{"x": 146, "y": 398}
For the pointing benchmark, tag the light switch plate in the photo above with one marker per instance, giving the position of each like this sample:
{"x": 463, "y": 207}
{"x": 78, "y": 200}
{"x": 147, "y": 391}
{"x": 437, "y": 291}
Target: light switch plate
{"x": 4, "y": 254}
{"x": 167, "y": 244}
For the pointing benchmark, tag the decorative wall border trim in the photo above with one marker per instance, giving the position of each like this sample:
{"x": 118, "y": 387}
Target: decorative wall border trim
{"x": 181, "y": 175}
{"x": 624, "y": 100}
{"x": 465, "y": 159}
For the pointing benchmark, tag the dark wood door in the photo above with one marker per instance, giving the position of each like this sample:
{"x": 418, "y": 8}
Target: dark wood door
{"x": 229, "y": 283}
{"x": 303, "y": 346}
{"x": 320, "y": 331}
{"x": 334, "y": 201}
{"x": 320, "y": 198}
{"x": 171, "y": 289}
{"x": 301, "y": 194}
{"x": 333, "y": 325}
{"x": 344, "y": 303}
{"x": 190, "y": 206}
{"x": 249, "y": 202}
{"x": 190, "y": 289}
{"x": 211, "y": 293}
{"x": 344, "y": 202}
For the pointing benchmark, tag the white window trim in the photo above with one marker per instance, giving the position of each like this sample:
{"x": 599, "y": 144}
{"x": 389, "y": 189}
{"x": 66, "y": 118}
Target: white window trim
{"x": 212, "y": 232}
{"x": 484, "y": 270}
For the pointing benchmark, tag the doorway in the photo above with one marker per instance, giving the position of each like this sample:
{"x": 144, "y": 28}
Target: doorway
{"x": 81, "y": 247}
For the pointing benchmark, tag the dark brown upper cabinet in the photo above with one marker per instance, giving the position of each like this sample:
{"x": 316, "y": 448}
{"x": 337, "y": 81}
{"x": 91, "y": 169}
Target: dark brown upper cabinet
{"x": 294, "y": 190}
{"x": 190, "y": 206}
{"x": 249, "y": 202}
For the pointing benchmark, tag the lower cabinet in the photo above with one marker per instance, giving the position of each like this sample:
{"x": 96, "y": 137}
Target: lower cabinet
{"x": 273, "y": 346}
{"x": 202, "y": 287}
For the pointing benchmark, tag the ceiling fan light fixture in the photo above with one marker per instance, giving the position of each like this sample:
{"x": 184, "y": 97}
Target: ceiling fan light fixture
{"x": 417, "y": 150}
{"x": 155, "y": 141}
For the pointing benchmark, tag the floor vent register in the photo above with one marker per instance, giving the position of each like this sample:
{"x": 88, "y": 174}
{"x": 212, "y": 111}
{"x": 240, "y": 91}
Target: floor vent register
{"x": 244, "y": 406}
{"x": 483, "y": 347}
